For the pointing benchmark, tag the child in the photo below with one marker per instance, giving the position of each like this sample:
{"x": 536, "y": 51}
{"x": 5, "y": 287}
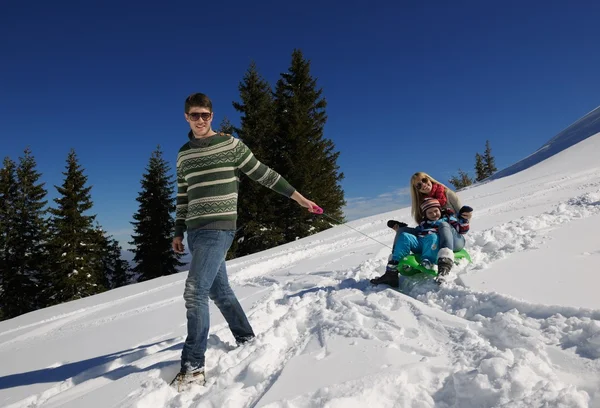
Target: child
{"x": 424, "y": 240}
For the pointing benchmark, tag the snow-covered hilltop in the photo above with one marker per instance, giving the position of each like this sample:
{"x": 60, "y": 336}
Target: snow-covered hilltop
{"x": 585, "y": 127}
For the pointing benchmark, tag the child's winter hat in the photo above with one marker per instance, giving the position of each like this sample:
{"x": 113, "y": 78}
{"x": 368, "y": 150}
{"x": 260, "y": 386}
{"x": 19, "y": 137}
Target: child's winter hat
{"x": 428, "y": 203}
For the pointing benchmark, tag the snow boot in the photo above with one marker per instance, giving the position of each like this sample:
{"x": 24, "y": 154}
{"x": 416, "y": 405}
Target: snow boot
{"x": 393, "y": 223}
{"x": 243, "y": 340}
{"x": 445, "y": 263}
{"x": 184, "y": 380}
{"x": 444, "y": 266}
{"x": 390, "y": 277}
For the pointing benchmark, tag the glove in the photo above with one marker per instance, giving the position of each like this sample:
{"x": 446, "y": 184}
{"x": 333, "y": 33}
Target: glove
{"x": 465, "y": 209}
{"x": 393, "y": 223}
{"x": 447, "y": 212}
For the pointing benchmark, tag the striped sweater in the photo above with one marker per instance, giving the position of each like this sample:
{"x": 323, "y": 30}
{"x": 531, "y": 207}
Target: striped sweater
{"x": 208, "y": 179}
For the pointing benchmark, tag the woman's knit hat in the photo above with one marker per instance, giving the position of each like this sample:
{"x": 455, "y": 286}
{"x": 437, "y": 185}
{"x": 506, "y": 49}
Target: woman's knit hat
{"x": 428, "y": 203}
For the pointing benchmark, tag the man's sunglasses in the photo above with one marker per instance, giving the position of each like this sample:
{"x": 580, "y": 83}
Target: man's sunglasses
{"x": 419, "y": 185}
{"x": 194, "y": 116}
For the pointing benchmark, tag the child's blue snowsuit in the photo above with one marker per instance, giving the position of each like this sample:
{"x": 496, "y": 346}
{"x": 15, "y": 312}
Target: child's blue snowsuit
{"x": 424, "y": 238}
{"x": 426, "y": 245}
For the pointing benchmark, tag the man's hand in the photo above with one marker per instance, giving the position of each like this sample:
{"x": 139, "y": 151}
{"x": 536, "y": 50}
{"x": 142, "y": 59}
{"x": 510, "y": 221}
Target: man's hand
{"x": 178, "y": 246}
{"x": 306, "y": 203}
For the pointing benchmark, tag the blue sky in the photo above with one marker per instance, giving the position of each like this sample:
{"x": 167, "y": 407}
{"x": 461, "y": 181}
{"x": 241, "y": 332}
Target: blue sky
{"x": 411, "y": 86}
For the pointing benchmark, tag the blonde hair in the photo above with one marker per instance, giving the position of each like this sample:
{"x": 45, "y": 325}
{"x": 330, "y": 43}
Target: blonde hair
{"x": 417, "y": 197}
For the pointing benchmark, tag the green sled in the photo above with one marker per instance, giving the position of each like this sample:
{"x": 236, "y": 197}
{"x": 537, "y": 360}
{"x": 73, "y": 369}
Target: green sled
{"x": 411, "y": 264}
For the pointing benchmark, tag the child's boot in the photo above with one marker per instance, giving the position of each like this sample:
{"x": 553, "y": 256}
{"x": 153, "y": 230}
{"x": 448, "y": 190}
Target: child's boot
{"x": 390, "y": 277}
{"x": 445, "y": 263}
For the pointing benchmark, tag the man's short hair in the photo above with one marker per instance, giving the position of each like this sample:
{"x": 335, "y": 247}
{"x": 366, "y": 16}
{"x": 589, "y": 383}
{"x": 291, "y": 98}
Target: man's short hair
{"x": 197, "y": 100}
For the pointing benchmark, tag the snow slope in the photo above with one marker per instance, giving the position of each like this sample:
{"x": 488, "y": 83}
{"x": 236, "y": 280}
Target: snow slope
{"x": 519, "y": 327}
{"x": 586, "y": 126}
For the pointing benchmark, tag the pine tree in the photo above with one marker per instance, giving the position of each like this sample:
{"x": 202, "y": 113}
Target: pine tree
{"x": 8, "y": 219}
{"x": 226, "y": 126}
{"x": 304, "y": 156}
{"x": 116, "y": 267}
{"x": 22, "y": 283}
{"x": 76, "y": 254}
{"x": 155, "y": 223}
{"x": 462, "y": 180}
{"x": 488, "y": 160}
{"x": 116, "y": 270}
{"x": 256, "y": 218}
{"x": 480, "y": 171}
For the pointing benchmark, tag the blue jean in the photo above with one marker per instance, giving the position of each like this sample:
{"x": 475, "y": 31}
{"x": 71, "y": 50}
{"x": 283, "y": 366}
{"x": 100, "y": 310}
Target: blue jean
{"x": 450, "y": 238}
{"x": 427, "y": 246}
{"x": 208, "y": 278}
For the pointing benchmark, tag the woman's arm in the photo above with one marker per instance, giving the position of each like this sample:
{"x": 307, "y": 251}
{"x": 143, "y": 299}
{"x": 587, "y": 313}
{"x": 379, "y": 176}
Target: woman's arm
{"x": 453, "y": 200}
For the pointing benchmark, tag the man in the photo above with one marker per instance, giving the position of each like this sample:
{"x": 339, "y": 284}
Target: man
{"x": 207, "y": 186}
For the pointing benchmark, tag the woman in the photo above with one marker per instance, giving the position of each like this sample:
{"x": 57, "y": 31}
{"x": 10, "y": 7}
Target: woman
{"x": 423, "y": 186}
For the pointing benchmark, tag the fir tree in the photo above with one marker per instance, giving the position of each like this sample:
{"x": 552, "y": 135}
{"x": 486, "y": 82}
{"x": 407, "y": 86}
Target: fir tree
{"x": 8, "y": 219}
{"x": 256, "y": 218}
{"x": 116, "y": 267}
{"x": 226, "y": 126}
{"x": 480, "y": 171}
{"x": 154, "y": 222}
{"x": 488, "y": 160}
{"x": 304, "y": 156}
{"x": 116, "y": 270}
{"x": 22, "y": 283}
{"x": 76, "y": 254}
{"x": 462, "y": 180}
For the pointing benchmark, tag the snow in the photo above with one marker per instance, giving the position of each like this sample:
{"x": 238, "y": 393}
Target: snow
{"x": 519, "y": 327}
